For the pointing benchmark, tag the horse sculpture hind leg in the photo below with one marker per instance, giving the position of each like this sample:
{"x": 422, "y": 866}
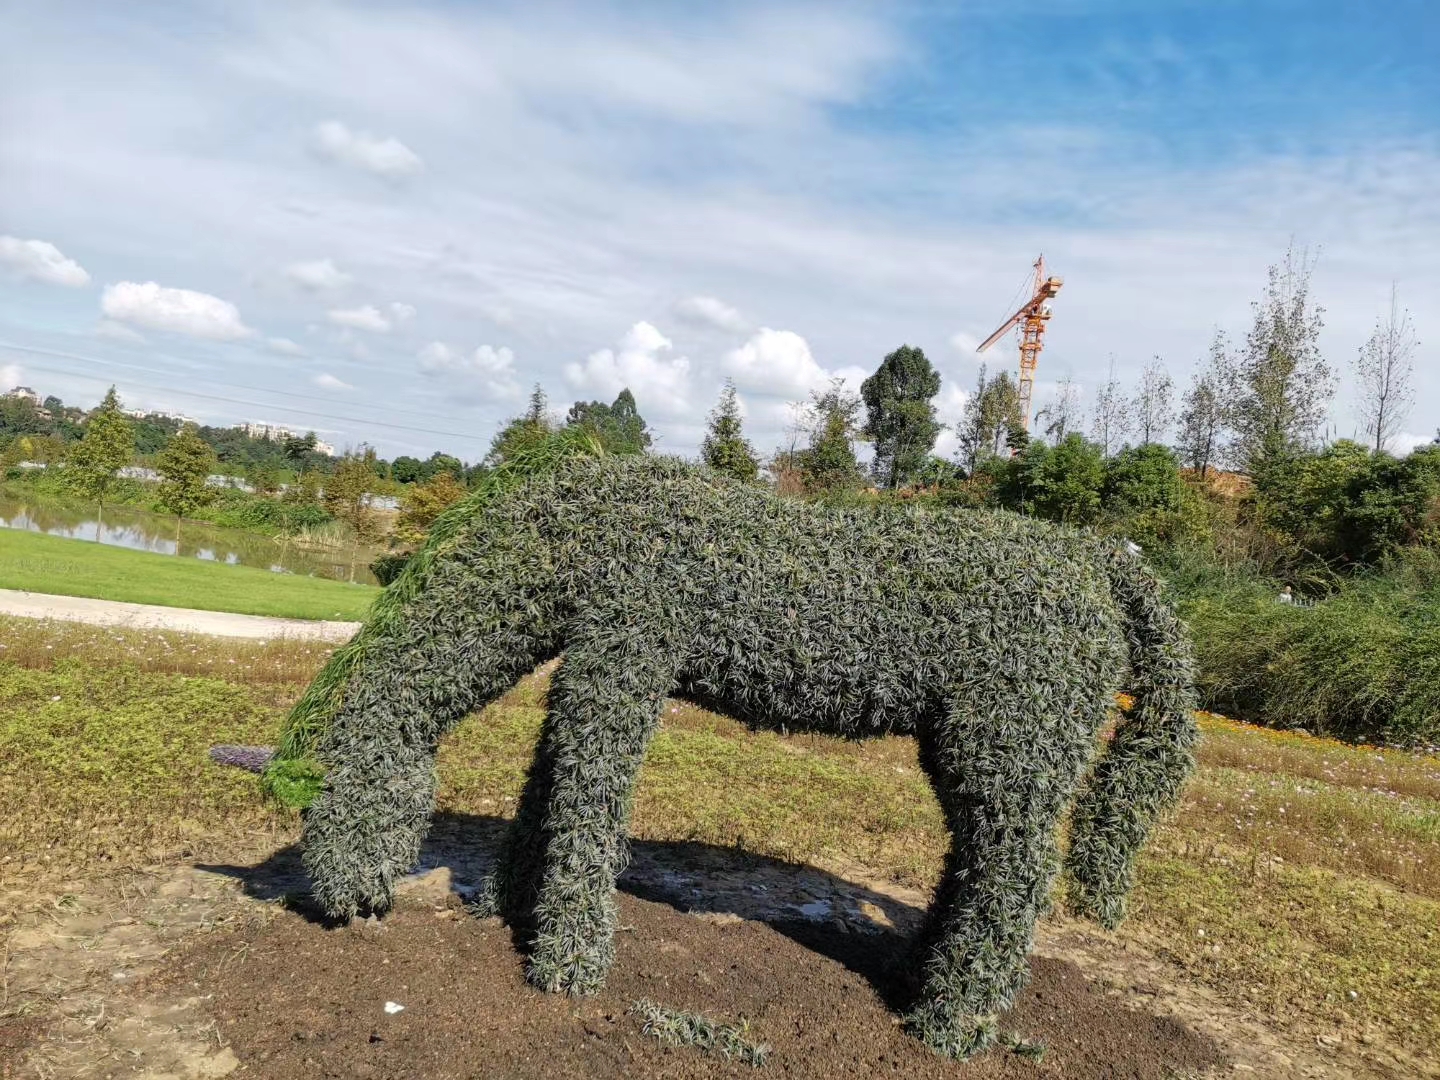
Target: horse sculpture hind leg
{"x": 1002, "y": 774}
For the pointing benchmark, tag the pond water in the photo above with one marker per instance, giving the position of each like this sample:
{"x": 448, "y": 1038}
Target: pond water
{"x": 123, "y": 526}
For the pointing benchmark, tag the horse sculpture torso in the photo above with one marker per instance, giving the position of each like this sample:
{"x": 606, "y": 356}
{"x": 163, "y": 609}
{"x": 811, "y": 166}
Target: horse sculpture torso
{"x": 998, "y": 642}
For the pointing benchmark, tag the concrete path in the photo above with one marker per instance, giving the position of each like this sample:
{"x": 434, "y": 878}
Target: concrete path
{"x": 31, "y": 605}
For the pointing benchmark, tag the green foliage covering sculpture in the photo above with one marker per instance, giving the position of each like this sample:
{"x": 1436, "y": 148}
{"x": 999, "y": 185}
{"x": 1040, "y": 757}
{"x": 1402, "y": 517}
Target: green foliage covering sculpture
{"x": 997, "y": 641}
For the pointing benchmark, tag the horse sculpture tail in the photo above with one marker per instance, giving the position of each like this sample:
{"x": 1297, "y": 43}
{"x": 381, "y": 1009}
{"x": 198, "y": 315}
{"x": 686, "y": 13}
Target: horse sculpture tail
{"x": 1140, "y": 774}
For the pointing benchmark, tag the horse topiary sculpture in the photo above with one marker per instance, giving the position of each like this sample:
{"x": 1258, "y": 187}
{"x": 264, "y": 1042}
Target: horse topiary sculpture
{"x": 997, "y": 641}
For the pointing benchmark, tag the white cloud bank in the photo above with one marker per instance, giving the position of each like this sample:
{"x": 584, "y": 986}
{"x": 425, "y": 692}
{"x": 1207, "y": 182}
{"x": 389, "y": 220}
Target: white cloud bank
{"x": 777, "y": 363}
{"x": 707, "y": 311}
{"x": 42, "y": 261}
{"x": 318, "y": 275}
{"x": 326, "y": 381}
{"x": 640, "y": 361}
{"x": 491, "y": 368}
{"x": 389, "y": 158}
{"x": 177, "y": 311}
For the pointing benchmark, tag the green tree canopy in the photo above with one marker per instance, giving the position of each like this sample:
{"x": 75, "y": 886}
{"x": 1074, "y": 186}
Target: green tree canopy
{"x": 828, "y": 463}
{"x": 725, "y": 449}
{"x": 900, "y": 418}
{"x": 992, "y": 419}
{"x": 184, "y": 466}
{"x": 618, "y": 426}
{"x": 346, "y": 491}
{"x": 107, "y": 447}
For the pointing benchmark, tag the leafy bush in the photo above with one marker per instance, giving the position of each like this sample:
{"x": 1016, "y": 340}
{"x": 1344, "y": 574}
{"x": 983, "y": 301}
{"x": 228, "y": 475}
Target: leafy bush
{"x": 1362, "y": 665}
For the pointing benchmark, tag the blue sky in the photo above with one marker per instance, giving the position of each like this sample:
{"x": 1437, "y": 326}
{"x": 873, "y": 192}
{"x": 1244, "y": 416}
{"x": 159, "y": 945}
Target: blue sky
{"x": 386, "y": 222}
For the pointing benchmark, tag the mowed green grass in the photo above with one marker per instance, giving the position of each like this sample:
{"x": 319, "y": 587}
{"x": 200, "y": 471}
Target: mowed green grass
{"x": 1299, "y": 878}
{"x": 55, "y": 564}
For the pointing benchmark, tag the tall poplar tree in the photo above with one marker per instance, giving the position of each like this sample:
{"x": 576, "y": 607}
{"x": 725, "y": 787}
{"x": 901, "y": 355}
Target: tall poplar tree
{"x": 1280, "y": 385}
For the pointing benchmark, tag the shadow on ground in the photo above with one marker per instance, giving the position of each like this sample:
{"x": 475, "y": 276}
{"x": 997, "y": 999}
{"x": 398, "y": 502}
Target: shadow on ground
{"x": 865, "y": 930}
{"x": 814, "y": 963}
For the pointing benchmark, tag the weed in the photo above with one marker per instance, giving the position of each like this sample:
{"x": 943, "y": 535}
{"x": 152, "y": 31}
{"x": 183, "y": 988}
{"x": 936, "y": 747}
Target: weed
{"x": 691, "y": 1029}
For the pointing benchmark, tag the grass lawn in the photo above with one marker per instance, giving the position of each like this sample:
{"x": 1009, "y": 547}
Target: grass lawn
{"x": 55, "y": 564}
{"x": 1300, "y": 878}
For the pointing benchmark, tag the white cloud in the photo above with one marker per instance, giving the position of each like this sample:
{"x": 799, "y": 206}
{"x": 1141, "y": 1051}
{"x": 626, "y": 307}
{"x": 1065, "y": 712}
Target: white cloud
{"x": 361, "y": 318}
{"x": 42, "y": 261}
{"x": 710, "y": 312}
{"x": 389, "y": 158}
{"x": 639, "y": 361}
{"x": 329, "y": 382}
{"x": 402, "y": 312}
{"x": 317, "y": 275}
{"x": 777, "y": 363}
{"x": 178, "y": 311}
{"x": 117, "y": 331}
{"x": 285, "y": 347}
{"x": 491, "y": 368}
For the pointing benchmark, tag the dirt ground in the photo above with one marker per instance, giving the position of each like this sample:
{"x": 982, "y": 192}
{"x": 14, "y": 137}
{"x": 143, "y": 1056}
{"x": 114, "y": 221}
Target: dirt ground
{"x": 212, "y": 969}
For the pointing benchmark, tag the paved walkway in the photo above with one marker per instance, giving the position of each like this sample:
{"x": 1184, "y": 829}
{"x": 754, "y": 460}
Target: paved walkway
{"x": 31, "y": 605}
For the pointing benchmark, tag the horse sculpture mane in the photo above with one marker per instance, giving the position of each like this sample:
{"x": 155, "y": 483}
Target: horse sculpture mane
{"x": 997, "y": 641}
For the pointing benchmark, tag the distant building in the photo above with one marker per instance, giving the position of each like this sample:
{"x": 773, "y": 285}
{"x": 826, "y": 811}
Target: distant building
{"x": 260, "y": 429}
{"x": 324, "y": 448}
{"x": 26, "y": 393}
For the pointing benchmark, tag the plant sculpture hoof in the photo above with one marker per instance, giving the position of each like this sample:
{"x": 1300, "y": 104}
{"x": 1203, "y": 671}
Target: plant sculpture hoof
{"x": 575, "y": 976}
{"x": 958, "y": 1037}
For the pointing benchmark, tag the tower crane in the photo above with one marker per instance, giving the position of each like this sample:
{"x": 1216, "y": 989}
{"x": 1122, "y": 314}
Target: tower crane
{"x": 1031, "y": 318}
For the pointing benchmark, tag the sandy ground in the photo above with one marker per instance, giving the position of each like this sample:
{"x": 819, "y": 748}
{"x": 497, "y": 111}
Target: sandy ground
{"x": 153, "y": 617}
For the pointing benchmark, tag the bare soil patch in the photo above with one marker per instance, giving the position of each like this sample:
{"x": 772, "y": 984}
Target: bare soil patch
{"x": 293, "y": 999}
{"x": 210, "y": 970}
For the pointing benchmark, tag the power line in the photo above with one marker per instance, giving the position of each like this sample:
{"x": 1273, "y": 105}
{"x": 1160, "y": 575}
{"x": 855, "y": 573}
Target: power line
{"x": 218, "y": 382}
{"x": 268, "y": 405}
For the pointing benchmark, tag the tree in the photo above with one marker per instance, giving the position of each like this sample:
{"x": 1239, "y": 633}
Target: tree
{"x": 828, "y": 463}
{"x": 1280, "y": 385}
{"x": 346, "y": 494}
{"x": 422, "y": 504}
{"x": 106, "y": 448}
{"x": 185, "y": 466}
{"x": 298, "y": 446}
{"x": 1112, "y": 419}
{"x": 22, "y": 449}
{"x": 1384, "y": 369}
{"x": 407, "y": 470}
{"x": 992, "y": 416}
{"x": 1203, "y": 416}
{"x": 618, "y": 427}
{"x": 1153, "y": 409}
{"x": 725, "y": 449}
{"x": 900, "y": 418}
{"x": 523, "y": 432}
{"x": 1063, "y": 411}
{"x": 439, "y": 463}
{"x": 264, "y": 477}
{"x": 1059, "y": 483}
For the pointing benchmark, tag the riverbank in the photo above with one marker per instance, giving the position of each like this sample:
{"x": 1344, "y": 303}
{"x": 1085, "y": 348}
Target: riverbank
{"x": 37, "y": 563}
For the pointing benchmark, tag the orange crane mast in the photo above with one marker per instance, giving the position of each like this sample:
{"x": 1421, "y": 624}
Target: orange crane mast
{"x": 1031, "y": 318}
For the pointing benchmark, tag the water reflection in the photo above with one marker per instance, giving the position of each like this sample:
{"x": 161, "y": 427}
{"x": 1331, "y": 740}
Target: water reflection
{"x": 122, "y": 526}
